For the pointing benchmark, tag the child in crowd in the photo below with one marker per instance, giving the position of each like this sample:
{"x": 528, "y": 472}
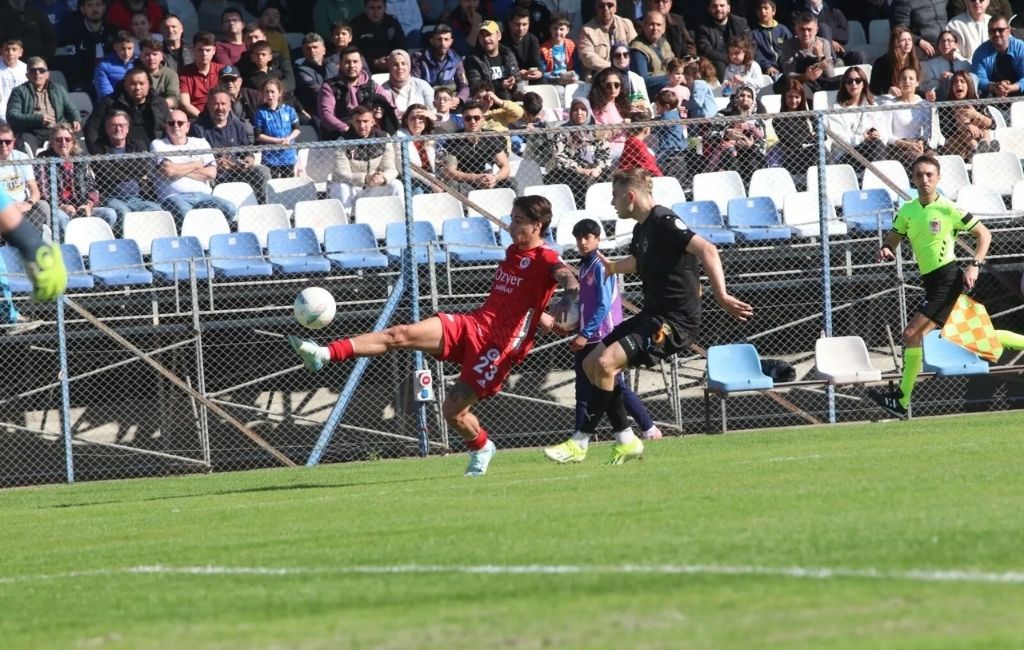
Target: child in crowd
{"x": 702, "y": 96}
{"x": 498, "y": 113}
{"x": 768, "y": 36}
{"x": 675, "y": 80}
{"x": 445, "y": 102}
{"x": 13, "y": 71}
{"x": 143, "y": 31}
{"x": 600, "y": 312}
{"x": 535, "y": 117}
{"x": 557, "y": 53}
{"x": 636, "y": 153}
{"x": 276, "y": 123}
{"x": 670, "y": 143}
{"x": 742, "y": 69}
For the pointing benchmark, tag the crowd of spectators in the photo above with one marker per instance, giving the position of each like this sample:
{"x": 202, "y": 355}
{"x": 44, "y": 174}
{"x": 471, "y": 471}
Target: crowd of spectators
{"x": 175, "y": 76}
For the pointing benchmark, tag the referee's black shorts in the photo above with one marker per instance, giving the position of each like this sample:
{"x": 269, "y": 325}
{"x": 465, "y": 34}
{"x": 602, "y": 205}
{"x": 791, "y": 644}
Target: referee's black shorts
{"x": 941, "y": 289}
{"x": 647, "y": 340}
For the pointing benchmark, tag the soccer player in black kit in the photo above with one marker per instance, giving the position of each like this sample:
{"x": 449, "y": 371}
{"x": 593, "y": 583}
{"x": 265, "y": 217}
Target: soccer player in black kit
{"x": 667, "y": 256}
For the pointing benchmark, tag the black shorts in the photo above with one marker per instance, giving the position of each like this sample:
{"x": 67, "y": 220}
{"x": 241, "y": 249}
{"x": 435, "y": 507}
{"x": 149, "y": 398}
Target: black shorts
{"x": 647, "y": 340}
{"x": 941, "y": 289}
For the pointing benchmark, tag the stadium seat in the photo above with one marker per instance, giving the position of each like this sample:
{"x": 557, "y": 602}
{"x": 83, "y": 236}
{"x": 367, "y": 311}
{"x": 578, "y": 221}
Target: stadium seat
{"x": 240, "y": 194}
{"x": 353, "y": 246}
{"x": 318, "y": 165}
{"x": 756, "y": 219}
{"x": 878, "y": 31}
{"x": 118, "y": 262}
{"x": 891, "y": 169}
{"x": 802, "y": 213}
{"x": 772, "y": 103}
{"x": 869, "y": 210}
{"x": 998, "y": 170}
{"x": 838, "y": 179}
{"x": 559, "y": 194}
{"x": 947, "y": 359}
{"x": 289, "y": 191}
{"x": 773, "y": 182}
{"x": 855, "y": 35}
{"x": 497, "y": 201}
{"x": 953, "y": 177}
{"x": 823, "y": 99}
{"x": 78, "y": 276}
{"x": 1017, "y": 114}
{"x": 81, "y": 232}
{"x": 294, "y": 39}
{"x": 703, "y": 218}
{"x": 319, "y": 215}
{"x": 598, "y": 201}
{"x": 81, "y": 101}
{"x": 144, "y": 227}
{"x": 844, "y": 360}
{"x": 527, "y": 175}
{"x": 296, "y": 251}
{"x": 1017, "y": 198}
{"x": 378, "y": 211}
{"x": 998, "y": 121}
{"x": 436, "y": 208}
{"x": 423, "y": 234}
{"x": 238, "y": 255}
{"x": 549, "y": 96}
{"x": 12, "y": 271}
{"x": 203, "y": 223}
{"x": 171, "y": 256}
{"x": 719, "y": 187}
{"x": 733, "y": 368}
{"x": 721, "y": 103}
{"x": 667, "y": 190}
{"x": 261, "y": 219}
{"x": 981, "y": 201}
{"x": 57, "y": 77}
{"x": 470, "y": 239}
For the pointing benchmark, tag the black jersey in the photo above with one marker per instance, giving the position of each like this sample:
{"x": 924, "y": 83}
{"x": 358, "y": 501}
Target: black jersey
{"x": 670, "y": 275}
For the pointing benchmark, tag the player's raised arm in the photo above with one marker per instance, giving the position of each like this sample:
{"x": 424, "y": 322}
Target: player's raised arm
{"x": 712, "y": 263}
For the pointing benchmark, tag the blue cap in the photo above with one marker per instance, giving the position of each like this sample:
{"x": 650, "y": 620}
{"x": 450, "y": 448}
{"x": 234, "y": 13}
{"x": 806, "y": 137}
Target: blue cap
{"x": 229, "y": 71}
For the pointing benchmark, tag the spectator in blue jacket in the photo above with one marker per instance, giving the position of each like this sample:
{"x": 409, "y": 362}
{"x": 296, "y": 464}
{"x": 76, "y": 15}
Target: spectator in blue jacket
{"x": 112, "y": 68}
{"x": 768, "y": 36}
{"x": 999, "y": 62}
{"x": 439, "y": 65}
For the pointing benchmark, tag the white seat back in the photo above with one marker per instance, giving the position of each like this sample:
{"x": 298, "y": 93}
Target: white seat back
{"x": 718, "y": 187}
{"x": 261, "y": 219}
{"x": 378, "y": 211}
{"x": 144, "y": 227}
{"x": 773, "y": 182}
{"x": 999, "y": 170}
{"x": 241, "y": 194}
{"x": 83, "y": 231}
{"x": 559, "y": 194}
{"x": 844, "y": 360}
{"x": 203, "y": 223}
{"x": 319, "y": 215}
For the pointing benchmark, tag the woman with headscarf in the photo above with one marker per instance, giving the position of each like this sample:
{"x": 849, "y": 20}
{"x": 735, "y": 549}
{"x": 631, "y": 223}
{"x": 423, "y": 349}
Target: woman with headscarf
{"x": 634, "y": 86}
{"x": 740, "y": 145}
{"x": 406, "y": 89}
{"x": 582, "y": 156}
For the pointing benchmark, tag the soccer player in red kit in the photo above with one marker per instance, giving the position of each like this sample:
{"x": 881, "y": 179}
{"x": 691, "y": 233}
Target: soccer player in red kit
{"x": 486, "y": 342}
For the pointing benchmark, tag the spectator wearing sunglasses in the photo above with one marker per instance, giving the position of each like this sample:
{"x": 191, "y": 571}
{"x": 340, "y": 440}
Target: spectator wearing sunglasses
{"x": 470, "y": 161}
{"x": 38, "y": 105}
{"x": 999, "y": 62}
{"x": 77, "y": 191}
{"x": 597, "y": 36}
{"x": 183, "y": 179}
{"x": 20, "y": 181}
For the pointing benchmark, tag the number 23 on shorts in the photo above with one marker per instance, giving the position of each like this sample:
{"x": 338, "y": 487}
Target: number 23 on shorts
{"x": 487, "y": 367}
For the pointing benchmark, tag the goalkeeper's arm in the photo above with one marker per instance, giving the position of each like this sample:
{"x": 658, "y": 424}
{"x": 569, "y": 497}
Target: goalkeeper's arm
{"x": 43, "y": 261}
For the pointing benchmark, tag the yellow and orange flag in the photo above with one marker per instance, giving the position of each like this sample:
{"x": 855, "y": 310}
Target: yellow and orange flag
{"x": 970, "y": 327}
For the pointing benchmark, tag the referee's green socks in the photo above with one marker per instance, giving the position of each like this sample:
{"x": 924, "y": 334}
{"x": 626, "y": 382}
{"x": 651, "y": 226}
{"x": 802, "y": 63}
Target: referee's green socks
{"x": 1010, "y": 340}
{"x": 913, "y": 361}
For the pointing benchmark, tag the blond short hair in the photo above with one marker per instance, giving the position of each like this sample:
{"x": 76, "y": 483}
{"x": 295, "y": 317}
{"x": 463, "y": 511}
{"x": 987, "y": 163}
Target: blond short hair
{"x": 636, "y": 179}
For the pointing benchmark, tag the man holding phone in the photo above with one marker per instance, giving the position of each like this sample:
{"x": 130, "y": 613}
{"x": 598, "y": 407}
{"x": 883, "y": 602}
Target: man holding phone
{"x": 493, "y": 62}
{"x": 808, "y": 57}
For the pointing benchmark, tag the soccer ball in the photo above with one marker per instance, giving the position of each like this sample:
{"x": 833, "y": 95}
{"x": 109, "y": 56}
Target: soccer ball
{"x": 315, "y": 308}
{"x": 566, "y": 317}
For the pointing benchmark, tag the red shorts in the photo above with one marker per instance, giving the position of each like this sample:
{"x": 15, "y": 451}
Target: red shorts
{"x": 485, "y": 362}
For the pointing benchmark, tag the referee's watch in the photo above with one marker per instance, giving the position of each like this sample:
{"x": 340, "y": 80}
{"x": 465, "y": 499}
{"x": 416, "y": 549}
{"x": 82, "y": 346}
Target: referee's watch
{"x": 977, "y": 263}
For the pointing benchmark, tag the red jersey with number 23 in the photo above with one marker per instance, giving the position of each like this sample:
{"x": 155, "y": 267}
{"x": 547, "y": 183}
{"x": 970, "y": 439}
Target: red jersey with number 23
{"x": 499, "y": 334}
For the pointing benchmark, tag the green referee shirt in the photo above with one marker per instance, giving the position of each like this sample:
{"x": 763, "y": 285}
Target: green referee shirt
{"x": 931, "y": 230}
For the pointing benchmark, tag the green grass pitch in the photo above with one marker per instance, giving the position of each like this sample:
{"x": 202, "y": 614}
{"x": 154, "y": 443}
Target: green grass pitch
{"x": 889, "y": 535}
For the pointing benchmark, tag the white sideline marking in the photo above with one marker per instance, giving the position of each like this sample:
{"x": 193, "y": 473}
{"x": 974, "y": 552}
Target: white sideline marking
{"x": 806, "y": 573}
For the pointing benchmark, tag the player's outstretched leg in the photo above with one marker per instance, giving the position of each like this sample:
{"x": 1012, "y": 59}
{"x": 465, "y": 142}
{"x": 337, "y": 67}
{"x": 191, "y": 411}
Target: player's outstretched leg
{"x": 313, "y": 356}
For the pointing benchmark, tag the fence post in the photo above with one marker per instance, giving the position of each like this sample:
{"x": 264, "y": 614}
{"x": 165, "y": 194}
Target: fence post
{"x": 62, "y": 342}
{"x": 826, "y": 261}
{"x": 413, "y": 279}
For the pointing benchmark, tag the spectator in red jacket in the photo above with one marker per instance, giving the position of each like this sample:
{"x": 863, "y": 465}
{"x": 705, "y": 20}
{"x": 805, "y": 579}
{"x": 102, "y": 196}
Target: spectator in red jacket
{"x": 120, "y": 13}
{"x": 636, "y": 153}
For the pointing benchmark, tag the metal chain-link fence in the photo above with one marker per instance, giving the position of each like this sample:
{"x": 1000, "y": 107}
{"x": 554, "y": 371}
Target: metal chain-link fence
{"x": 199, "y": 274}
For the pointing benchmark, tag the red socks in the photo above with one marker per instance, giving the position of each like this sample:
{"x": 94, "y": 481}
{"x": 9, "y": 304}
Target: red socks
{"x": 341, "y": 349}
{"x": 476, "y": 444}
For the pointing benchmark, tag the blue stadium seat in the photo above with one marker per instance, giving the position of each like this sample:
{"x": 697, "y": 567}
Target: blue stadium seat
{"x": 735, "y": 368}
{"x": 117, "y": 263}
{"x": 703, "y": 218}
{"x": 238, "y": 255}
{"x": 756, "y": 219}
{"x": 948, "y": 359}
{"x": 863, "y": 208}
{"x": 470, "y": 239}
{"x": 78, "y": 277}
{"x": 172, "y": 254}
{"x": 295, "y": 251}
{"x": 353, "y": 246}
{"x": 422, "y": 234}
{"x": 17, "y": 280}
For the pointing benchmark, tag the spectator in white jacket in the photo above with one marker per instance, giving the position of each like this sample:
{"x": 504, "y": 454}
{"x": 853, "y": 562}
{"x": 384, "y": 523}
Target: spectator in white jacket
{"x": 406, "y": 89}
{"x": 970, "y": 27}
{"x": 366, "y": 169}
{"x": 865, "y": 129}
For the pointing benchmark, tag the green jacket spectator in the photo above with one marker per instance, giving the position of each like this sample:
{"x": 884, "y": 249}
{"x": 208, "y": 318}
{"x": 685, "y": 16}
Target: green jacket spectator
{"x": 32, "y": 123}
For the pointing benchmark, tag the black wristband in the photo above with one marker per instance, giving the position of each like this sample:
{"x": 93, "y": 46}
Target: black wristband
{"x": 976, "y": 263}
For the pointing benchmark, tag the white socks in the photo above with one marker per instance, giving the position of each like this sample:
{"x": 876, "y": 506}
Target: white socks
{"x": 581, "y": 439}
{"x": 625, "y": 436}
